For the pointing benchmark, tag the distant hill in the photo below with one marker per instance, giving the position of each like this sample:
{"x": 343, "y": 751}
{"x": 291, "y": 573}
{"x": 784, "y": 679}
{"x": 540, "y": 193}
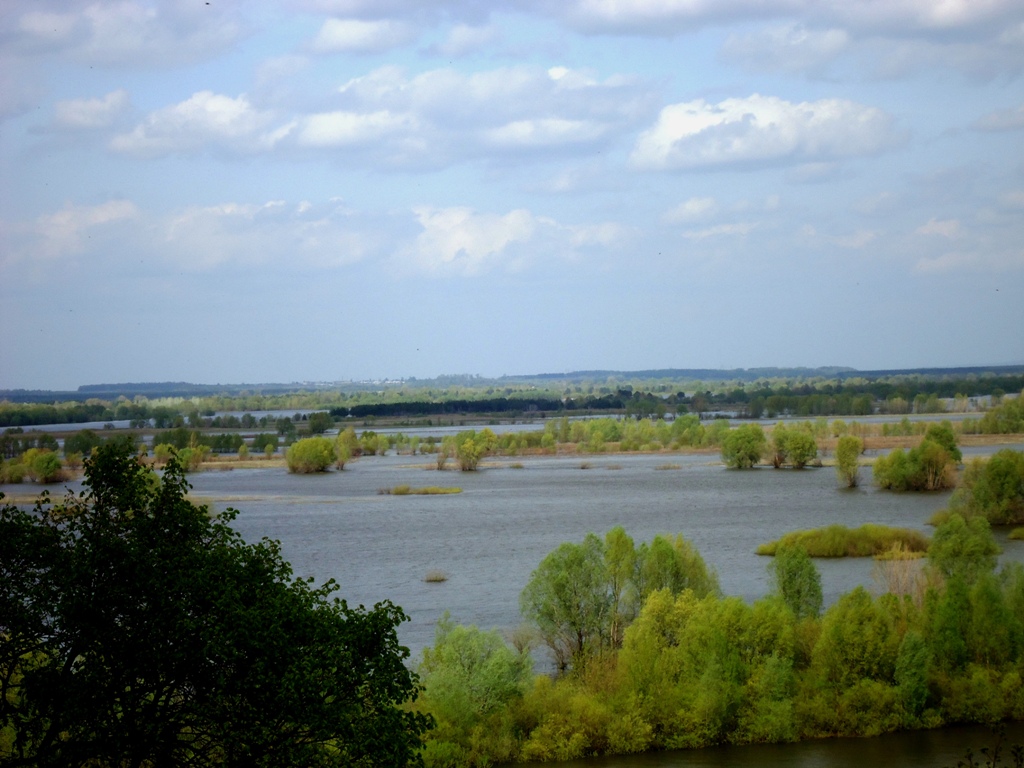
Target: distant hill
{"x": 155, "y": 390}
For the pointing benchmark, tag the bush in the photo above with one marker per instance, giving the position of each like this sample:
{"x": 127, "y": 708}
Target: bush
{"x": 744, "y": 446}
{"x": 928, "y": 467}
{"x": 848, "y": 451}
{"x": 312, "y": 454}
{"x": 993, "y": 489}
{"x": 840, "y": 541}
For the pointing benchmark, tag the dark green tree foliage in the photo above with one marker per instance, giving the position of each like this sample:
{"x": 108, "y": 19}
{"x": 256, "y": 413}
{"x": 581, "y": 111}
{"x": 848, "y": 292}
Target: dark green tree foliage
{"x": 136, "y": 629}
{"x": 82, "y": 442}
{"x": 797, "y": 581}
{"x": 319, "y": 422}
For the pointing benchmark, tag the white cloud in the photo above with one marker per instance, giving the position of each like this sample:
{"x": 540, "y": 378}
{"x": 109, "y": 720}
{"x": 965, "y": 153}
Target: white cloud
{"x": 1010, "y": 259}
{"x": 133, "y": 33}
{"x": 204, "y": 119}
{"x": 857, "y": 240}
{"x": 739, "y": 229}
{"x": 1002, "y": 120}
{"x": 266, "y": 235}
{"x": 669, "y": 17}
{"x": 462, "y": 241}
{"x": 464, "y": 39}
{"x": 91, "y": 113}
{"x": 358, "y": 36}
{"x": 63, "y": 233}
{"x": 544, "y": 132}
{"x": 432, "y": 119}
{"x": 787, "y": 48}
{"x": 342, "y": 129}
{"x": 760, "y": 129}
{"x": 694, "y": 209}
{"x": 948, "y": 228}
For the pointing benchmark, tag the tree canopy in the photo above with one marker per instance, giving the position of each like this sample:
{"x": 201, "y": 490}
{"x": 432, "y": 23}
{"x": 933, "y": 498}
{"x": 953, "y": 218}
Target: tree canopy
{"x": 138, "y": 630}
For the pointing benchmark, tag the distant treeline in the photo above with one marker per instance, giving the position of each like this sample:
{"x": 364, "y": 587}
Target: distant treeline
{"x": 838, "y": 396}
{"x": 484, "y": 405}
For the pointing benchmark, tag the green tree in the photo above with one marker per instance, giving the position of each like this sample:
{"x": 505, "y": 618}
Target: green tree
{"x": 963, "y": 549}
{"x": 744, "y": 446}
{"x": 993, "y": 489}
{"x": 45, "y": 467}
{"x": 468, "y": 674}
{"x": 797, "y": 581}
{"x": 311, "y": 454}
{"x": 319, "y": 422}
{"x": 672, "y": 563}
{"x": 82, "y": 442}
{"x": 138, "y": 629}
{"x": 567, "y": 599}
{"x": 848, "y": 451}
{"x": 944, "y": 435}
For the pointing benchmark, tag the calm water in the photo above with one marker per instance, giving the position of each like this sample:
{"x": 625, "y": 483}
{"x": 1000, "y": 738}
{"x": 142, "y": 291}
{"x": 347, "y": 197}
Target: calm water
{"x": 489, "y": 538}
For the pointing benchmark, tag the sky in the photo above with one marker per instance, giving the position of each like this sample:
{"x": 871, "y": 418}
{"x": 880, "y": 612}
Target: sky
{"x": 330, "y": 190}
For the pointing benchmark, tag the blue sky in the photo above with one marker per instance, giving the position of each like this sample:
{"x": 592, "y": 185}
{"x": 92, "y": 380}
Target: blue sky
{"x": 324, "y": 190}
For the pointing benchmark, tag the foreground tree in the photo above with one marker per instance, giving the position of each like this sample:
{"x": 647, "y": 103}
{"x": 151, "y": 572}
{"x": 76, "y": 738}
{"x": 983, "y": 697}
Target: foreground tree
{"x": 136, "y": 629}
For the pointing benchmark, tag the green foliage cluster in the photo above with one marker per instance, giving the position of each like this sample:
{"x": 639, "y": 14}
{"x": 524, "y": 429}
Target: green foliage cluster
{"x": 993, "y": 489}
{"x": 791, "y": 446}
{"x": 848, "y": 451}
{"x": 14, "y": 442}
{"x": 839, "y": 541}
{"x": 309, "y": 455}
{"x": 696, "y": 670}
{"x": 930, "y": 466}
{"x": 582, "y": 596}
{"x": 744, "y": 446}
{"x": 1004, "y": 419}
{"x": 39, "y": 465}
{"x": 137, "y": 629}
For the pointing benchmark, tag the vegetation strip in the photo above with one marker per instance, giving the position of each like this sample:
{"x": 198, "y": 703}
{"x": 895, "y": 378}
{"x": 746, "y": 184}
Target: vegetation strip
{"x": 869, "y": 540}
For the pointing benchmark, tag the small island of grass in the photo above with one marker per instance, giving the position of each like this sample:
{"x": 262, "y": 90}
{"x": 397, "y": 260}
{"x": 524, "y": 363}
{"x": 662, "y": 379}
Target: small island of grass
{"x": 870, "y": 540}
{"x": 407, "y": 490}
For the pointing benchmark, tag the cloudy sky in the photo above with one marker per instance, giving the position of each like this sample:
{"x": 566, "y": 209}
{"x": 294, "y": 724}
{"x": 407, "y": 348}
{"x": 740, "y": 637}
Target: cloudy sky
{"x": 227, "y": 191}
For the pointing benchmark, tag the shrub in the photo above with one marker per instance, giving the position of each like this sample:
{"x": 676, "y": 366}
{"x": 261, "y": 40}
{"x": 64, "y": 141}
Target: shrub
{"x": 312, "y": 454}
{"x": 743, "y": 447}
{"x": 840, "y": 541}
{"x": 848, "y": 451}
{"x": 993, "y": 489}
{"x": 928, "y": 467}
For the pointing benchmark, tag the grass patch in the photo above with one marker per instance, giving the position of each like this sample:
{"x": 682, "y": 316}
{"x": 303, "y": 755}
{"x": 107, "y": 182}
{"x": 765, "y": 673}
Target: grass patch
{"x": 839, "y": 541}
{"x": 516, "y": 465}
{"x": 669, "y": 466}
{"x": 435, "y": 577}
{"x": 614, "y": 466}
{"x": 1017, "y": 534}
{"x": 407, "y": 490}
